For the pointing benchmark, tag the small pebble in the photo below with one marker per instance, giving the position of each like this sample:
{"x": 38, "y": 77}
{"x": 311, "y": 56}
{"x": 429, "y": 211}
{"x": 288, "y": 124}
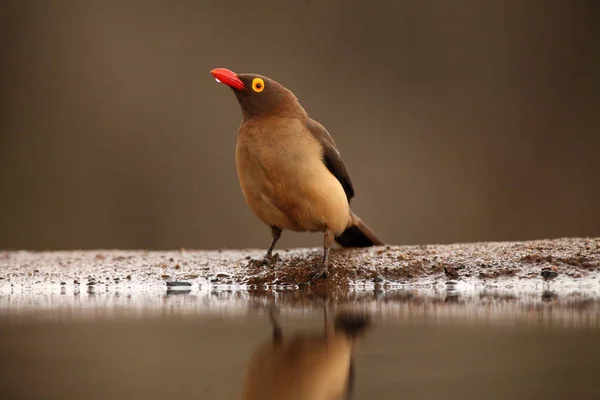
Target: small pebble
{"x": 451, "y": 272}
{"x": 549, "y": 273}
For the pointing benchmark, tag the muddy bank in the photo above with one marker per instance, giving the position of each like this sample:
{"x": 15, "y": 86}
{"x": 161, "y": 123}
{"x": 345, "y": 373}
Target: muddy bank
{"x": 571, "y": 261}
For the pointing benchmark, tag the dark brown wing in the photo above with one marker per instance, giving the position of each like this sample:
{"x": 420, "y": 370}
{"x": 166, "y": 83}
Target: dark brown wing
{"x": 331, "y": 156}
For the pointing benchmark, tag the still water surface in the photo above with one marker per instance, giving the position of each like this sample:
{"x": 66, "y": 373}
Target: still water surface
{"x": 193, "y": 345}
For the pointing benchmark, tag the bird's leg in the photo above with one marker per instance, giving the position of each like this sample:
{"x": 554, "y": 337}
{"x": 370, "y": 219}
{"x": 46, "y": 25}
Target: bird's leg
{"x": 269, "y": 259}
{"x": 328, "y": 238}
{"x": 276, "y": 235}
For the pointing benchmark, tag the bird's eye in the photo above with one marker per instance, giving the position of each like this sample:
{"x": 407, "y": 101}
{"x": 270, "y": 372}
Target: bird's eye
{"x": 258, "y": 85}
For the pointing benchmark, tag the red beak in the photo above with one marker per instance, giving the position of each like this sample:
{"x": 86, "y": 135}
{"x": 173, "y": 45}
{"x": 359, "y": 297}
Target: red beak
{"x": 227, "y": 77}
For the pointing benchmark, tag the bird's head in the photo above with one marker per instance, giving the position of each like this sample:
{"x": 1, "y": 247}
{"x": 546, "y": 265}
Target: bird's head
{"x": 259, "y": 95}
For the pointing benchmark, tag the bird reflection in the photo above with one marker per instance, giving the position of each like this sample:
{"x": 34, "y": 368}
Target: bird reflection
{"x": 306, "y": 366}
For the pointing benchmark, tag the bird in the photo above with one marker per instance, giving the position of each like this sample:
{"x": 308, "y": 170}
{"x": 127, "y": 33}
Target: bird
{"x": 290, "y": 170}
{"x": 315, "y": 366}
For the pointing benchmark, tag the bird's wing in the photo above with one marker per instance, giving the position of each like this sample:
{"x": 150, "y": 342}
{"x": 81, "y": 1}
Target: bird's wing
{"x": 331, "y": 156}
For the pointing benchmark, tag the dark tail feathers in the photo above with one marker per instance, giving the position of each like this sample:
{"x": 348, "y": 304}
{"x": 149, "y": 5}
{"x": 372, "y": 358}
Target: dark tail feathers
{"x": 358, "y": 235}
{"x": 352, "y": 325}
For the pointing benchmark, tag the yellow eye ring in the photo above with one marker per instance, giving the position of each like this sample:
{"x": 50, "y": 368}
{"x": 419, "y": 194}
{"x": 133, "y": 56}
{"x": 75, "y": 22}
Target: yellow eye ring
{"x": 258, "y": 85}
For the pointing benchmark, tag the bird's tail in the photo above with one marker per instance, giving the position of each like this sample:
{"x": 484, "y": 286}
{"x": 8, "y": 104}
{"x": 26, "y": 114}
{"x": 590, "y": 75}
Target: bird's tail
{"x": 358, "y": 235}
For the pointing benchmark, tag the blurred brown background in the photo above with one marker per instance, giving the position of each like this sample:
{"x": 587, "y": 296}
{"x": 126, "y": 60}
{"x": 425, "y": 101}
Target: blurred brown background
{"x": 458, "y": 120}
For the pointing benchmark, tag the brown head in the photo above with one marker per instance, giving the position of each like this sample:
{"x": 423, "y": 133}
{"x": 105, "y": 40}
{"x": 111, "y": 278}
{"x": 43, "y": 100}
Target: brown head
{"x": 259, "y": 95}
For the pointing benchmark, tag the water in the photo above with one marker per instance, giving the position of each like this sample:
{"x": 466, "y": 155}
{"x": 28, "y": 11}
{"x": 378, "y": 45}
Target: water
{"x": 191, "y": 344}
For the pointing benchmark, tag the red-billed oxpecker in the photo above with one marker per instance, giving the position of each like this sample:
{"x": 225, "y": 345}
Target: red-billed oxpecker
{"x": 290, "y": 170}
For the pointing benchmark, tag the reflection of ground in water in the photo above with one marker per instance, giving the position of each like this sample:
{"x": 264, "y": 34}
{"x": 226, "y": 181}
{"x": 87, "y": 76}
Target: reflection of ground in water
{"x": 543, "y": 305}
{"x": 191, "y": 343}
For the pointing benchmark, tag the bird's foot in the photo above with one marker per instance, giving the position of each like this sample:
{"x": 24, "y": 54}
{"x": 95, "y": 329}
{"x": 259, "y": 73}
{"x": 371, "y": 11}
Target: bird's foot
{"x": 271, "y": 260}
{"x": 267, "y": 261}
{"x": 323, "y": 273}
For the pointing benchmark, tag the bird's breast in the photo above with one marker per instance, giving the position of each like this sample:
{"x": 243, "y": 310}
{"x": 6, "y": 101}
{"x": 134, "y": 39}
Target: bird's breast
{"x": 284, "y": 179}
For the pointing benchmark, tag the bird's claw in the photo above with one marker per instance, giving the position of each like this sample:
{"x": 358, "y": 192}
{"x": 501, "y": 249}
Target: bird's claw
{"x": 323, "y": 273}
{"x": 266, "y": 261}
{"x": 271, "y": 260}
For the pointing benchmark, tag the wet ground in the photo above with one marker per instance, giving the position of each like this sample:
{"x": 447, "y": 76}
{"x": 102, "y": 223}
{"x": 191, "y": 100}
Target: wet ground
{"x": 454, "y": 322}
{"x": 573, "y": 260}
